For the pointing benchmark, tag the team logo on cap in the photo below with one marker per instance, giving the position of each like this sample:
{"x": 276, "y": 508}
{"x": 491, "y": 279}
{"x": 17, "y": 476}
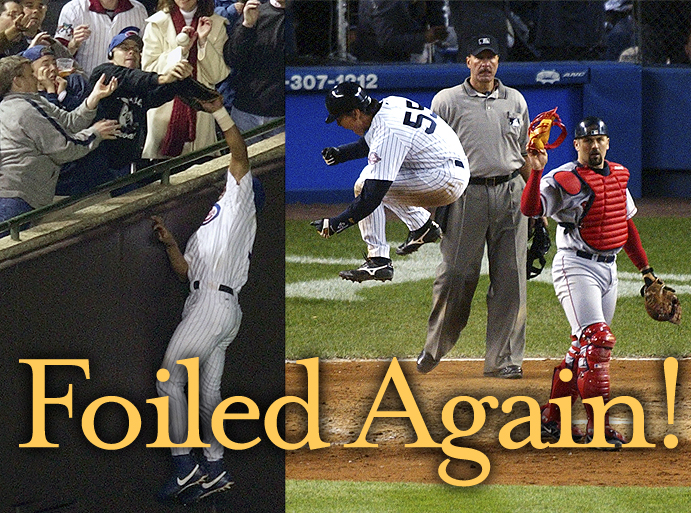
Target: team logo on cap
{"x": 130, "y": 31}
{"x": 373, "y": 158}
{"x": 483, "y": 41}
{"x": 213, "y": 214}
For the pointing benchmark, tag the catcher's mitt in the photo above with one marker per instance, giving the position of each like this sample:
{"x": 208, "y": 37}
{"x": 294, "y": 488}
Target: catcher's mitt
{"x": 661, "y": 303}
{"x": 538, "y": 249}
{"x": 539, "y": 130}
{"x": 193, "y": 93}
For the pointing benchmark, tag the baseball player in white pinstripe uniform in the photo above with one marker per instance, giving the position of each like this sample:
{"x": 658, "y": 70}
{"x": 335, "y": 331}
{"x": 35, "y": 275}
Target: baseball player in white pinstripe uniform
{"x": 87, "y": 28}
{"x": 414, "y": 160}
{"x": 216, "y": 263}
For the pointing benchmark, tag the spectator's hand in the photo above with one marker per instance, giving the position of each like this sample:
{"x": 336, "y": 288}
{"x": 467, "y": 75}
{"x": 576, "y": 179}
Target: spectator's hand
{"x": 100, "y": 91}
{"x": 537, "y": 159}
{"x": 162, "y": 232}
{"x": 46, "y": 79}
{"x": 42, "y": 38}
{"x": 250, "y": 13}
{"x": 23, "y": 24}
{"x": 180, "y": 71}
{"x": 436, "y": 33}
{"x": 61, "y": 84}
{"x": 193, "y": 39}
{"x": 203, "y": 30}
{"x": 80, "y": 34}
{"x": 212, "y": 105}
{"x": 107, "y": 128}
{"x": 239, "y": 6}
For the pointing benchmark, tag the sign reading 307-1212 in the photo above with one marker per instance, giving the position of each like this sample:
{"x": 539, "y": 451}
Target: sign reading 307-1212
{"x": 317, "y": 82}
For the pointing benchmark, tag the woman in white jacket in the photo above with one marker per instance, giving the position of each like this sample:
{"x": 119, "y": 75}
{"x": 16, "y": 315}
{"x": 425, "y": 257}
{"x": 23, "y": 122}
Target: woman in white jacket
{"x": 174, "y": 128}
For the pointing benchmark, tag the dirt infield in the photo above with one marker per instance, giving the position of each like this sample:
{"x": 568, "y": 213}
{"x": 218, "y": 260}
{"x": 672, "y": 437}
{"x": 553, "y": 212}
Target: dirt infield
{"x": 348, "y": 390}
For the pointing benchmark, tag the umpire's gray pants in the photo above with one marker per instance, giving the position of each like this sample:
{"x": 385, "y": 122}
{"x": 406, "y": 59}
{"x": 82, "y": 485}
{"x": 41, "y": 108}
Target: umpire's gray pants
{"x": 483, "y": 215}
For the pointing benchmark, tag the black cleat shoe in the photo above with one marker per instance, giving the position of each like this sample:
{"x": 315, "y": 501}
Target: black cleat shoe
{"x": 426, "y": 362}
{"x": 189, "y": 475}
{"x": 375, "y": 268}
{"x": 611, "y": 437}
{"x": 551, "y": 432}
{"x": 429, "y": 232}
{"x": 217, "y": 480}
{"x": 510, "y": 372}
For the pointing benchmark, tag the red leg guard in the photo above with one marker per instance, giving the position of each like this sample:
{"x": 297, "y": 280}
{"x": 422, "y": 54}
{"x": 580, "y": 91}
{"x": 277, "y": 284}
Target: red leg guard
{"x": 597, "y": 342}
{"x": 550, "y": 412}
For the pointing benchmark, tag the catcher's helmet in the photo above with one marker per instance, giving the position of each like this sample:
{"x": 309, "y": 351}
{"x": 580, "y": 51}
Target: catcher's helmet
{"x": 344, "y": 98}
{"x": 590, "y": 126}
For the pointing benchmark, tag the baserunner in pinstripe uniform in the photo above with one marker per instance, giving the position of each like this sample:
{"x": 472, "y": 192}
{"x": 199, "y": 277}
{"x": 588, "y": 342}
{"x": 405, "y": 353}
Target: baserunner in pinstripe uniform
{"x": 414, "y": 160}
{"x": 216, "y": 263}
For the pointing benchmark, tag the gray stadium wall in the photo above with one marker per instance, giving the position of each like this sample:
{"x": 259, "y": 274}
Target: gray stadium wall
{"x": 646, "y": 111}
{"x": 107, "y": 294}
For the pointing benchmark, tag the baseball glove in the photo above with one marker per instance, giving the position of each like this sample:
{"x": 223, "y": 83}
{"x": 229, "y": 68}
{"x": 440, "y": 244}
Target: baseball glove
{"x": 661, "y": 303}
{"x": 539, "y": 131}
{"x": 193, "y": 93}
{"x": 538, "y": 249}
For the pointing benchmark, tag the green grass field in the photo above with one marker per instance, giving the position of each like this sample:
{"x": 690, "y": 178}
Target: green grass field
{"x": 331, "y": 318}
{"x": 360, "y": 497}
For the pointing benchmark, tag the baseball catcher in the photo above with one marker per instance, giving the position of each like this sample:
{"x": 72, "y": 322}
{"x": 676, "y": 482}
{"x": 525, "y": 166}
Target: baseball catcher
{"x": 590, "y": 201}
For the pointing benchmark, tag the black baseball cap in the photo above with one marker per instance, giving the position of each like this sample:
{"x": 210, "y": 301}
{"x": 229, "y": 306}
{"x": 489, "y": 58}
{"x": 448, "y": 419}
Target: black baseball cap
{"x": 344, "y": 98}
{"x": 590, "y": 126}
{"x": 484, "y": 42}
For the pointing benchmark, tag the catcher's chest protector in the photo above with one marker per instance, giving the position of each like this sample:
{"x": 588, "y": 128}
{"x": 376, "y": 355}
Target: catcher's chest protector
{"x": 604, "y": 225}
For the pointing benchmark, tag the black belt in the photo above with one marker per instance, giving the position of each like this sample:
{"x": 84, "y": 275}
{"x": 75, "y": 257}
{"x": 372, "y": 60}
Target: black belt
{"x": 222, "y": 288}
{"x": 495, "y": 180}
{"x": 600, "y": 258}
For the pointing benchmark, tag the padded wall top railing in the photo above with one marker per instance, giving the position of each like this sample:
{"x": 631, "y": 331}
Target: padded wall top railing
{"x": 162, "y": 170}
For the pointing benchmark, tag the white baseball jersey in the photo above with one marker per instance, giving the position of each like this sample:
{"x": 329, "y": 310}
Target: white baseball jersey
{"x": 415, "y": 149}
{"x": 406, "y": 135}
{"x": 94, "y": 50}
{"x": 218, "y": 254}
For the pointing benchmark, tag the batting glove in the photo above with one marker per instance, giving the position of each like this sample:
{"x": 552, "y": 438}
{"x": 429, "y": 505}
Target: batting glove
{"x": 323, "y": 226}
{"x": 332, "y": 156}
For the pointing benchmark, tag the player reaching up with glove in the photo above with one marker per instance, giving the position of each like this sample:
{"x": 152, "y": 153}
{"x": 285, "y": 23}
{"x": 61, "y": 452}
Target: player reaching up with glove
{"x": 216, "y": 264}
{"x": 591, "y": 203}
{"x": 414, "y": 160}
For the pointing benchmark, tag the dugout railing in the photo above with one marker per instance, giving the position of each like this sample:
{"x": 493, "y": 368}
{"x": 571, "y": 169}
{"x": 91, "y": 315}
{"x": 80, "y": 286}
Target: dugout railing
{"x": 161, "y": 172}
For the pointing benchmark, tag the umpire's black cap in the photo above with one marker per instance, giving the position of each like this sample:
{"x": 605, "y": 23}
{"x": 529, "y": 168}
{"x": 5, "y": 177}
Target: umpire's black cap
{"x": 478, "y": 44}
{"x": 344, "y": 98}
{"x": 590, "y": 126}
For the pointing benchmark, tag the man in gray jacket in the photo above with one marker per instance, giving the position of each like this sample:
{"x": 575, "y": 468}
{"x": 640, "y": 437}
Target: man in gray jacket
{"x": 36, "y": 137}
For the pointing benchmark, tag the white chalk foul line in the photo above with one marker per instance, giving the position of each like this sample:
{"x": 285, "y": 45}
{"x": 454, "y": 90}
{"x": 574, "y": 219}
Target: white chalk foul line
{"x": 421, "y": 266}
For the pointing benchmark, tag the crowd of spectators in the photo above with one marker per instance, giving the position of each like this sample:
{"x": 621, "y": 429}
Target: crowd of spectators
{"x": 108, "y": 86}
{"x": 422, "y": 31}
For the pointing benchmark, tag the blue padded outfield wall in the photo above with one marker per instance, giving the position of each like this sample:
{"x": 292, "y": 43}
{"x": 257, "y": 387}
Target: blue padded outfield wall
{"x": 612, "y": 91}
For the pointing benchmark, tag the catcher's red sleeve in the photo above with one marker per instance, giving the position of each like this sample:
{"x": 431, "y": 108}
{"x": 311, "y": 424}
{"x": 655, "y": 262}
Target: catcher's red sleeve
{"x": 634, "y": 248}
{"x": 531, "y": 204}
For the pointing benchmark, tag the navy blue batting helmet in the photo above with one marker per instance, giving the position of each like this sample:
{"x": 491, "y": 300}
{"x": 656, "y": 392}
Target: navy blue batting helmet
{"x": 590, "y": 126}
{"x": 344, "y": 98}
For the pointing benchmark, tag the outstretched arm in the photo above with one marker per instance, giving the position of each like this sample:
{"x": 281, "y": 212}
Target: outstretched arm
{"x": 239, "y": 164}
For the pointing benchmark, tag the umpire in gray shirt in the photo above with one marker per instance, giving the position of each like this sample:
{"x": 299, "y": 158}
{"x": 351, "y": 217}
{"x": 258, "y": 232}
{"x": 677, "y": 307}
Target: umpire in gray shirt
{"x": 491, "y": 121}
{"x": 36, "y": 137}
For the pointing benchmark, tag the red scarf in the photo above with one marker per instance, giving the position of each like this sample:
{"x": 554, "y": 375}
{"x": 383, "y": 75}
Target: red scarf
{"x": 182, "y": 126}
